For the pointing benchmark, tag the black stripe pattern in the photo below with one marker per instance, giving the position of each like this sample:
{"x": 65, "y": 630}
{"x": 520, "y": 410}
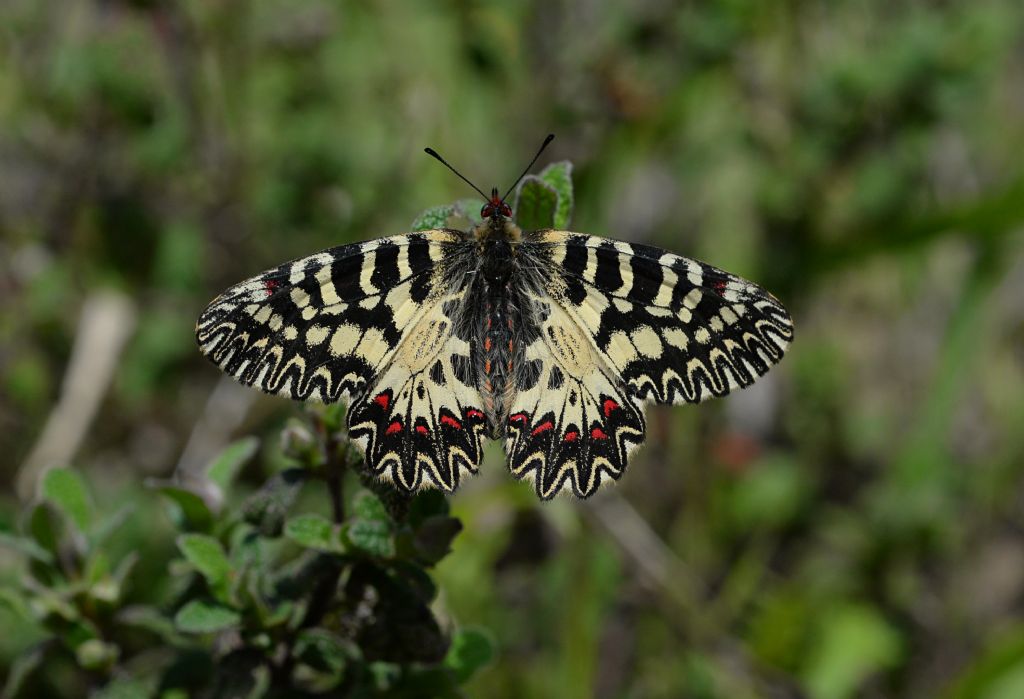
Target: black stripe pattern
{"x": 549, "y": 340}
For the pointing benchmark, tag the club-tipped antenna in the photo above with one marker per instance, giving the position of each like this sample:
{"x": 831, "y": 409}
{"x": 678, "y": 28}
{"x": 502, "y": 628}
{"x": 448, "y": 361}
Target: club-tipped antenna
{"x": 433, "y": 153}
{"x": 549, "y": 139}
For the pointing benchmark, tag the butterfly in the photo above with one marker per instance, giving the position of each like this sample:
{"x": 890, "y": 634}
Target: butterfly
{"x": 549, "y": 340}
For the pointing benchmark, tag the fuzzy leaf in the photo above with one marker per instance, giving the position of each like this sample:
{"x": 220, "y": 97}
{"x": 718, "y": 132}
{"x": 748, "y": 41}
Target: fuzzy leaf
{"x": 366, "y": 505}
{"x": 208, "y": 557}
{"x": 434, "y": 217}
{"x": 66, "y": 490}
{"x": 266, "y": 508}
{"x": 559, "y": 177}
{"x": 536, "y": 204}
{"x": 373, "y": 537}
{"x": 190, "y": 510}
{"x": 469, "y": 209}
{"x": 322, "y": 651}
{"x": 471, "y": 649}
{"x": 200, "y": 616}
{"x": 313, "y": 531}
{"x": 223, "y": 469}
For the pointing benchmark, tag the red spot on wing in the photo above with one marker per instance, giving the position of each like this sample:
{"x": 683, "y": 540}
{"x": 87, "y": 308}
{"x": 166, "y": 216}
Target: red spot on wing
{"x": 474, "y": 414}
{"x": 518, "y": 417}
{"x": 609, "y": 406}
{"x": 395, "y": 426}
{"x": 422, "y": 429}
{"x": 542, "y": 427}
{"x": 383, "y": 400}
{"x": 451, "y": 422}
{"x": 719, "y": 286}
{"x": 598, "y": 433}
{"x": 571, "y": 436}
{"x": 270, "y": 285}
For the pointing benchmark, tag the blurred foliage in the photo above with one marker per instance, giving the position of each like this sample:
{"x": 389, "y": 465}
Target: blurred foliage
{"x": 259, "y": 602}
{"x": 851, "y": 526}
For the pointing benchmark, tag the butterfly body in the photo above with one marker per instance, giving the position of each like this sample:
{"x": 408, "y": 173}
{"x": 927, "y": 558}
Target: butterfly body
{"x": 548, "y": 340}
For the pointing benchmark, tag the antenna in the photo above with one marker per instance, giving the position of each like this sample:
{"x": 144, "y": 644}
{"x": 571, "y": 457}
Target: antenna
{"x": 433, "y": 153}
{"x": 549, "y": 139}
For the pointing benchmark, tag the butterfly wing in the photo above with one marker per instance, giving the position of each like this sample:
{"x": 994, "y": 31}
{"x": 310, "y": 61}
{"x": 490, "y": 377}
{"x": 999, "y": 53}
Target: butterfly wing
{"x": 422, "y": 422}
{"x": 331, "y": 326}
{"x": 647, "y": 326}
{"x": 676, "y": 330}
{"x": 576, "y": 424}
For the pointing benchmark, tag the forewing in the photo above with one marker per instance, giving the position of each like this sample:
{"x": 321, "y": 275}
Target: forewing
{"x": 322, "y": 327}
{"x": 674, "y": 329}
{"x": 422, "y": 422}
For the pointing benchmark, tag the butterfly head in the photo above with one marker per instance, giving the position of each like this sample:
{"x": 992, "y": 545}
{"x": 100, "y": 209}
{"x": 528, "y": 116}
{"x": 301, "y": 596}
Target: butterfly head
{"x": 495, "y": 210}
{"x": 495, "y": 207}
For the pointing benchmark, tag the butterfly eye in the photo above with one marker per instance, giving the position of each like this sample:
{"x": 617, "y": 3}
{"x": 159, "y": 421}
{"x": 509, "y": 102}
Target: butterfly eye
{"x": 487, "y": 211}
{"x": 506, "y": 210}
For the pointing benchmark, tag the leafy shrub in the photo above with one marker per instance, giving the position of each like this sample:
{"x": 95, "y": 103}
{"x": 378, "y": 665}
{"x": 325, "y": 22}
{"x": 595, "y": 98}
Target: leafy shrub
{"x": 264, "y": 600}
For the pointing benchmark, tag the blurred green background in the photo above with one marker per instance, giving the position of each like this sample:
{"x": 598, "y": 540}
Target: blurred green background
{"x": 851, "y": 526}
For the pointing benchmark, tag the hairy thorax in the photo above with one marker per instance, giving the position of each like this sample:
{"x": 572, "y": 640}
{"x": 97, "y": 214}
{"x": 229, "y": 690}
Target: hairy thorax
{"x": 504, "y": 313}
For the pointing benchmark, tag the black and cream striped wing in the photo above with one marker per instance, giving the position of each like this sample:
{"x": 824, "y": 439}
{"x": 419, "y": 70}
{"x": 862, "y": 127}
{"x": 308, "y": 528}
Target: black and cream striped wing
{"x": 622, "y": 325}
{"x": 364, "y": 323}
{"x": 674, "y": 330}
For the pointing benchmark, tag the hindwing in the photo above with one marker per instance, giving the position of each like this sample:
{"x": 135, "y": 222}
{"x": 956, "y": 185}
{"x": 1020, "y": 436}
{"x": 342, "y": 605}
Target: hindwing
{"x": 575, "y": 424}
{"x": 422, "y": 422}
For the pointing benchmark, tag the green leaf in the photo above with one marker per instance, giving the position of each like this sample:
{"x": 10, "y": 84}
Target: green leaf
{"x": 110, "y": 524}
{"x": 559, "y": 177}
{"x": 855, "y": 642}
{"x": 223, "y": 469}
{"x": 471, "y": 649}
{"x": 536, "y": 204}
{"x": 208, "y": 556}
{"x": 200, "y": 616}
{"x": 469, "y": 209}
{"x": 434, "y": 217}
{"x": 434, "y": 537}
{"x": 373, "y": 537}
{"x": 130, "y": 688}
{"x": 26, "y": 547}
{"x": 428, "y": 502}
{"x": 15, "y": 603}
{"x": 266, "y": 508}
{"x": 150, "y": 619}
{"x": 188, "y": 509}
{"x": 66, "y": 490}
{"x": 95, "y": 654}
{"x": 44, "y": 527}
{"x": 313, "y": 531}
{"x": 366, "y": 505}
{"x": 323, "y": 651}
